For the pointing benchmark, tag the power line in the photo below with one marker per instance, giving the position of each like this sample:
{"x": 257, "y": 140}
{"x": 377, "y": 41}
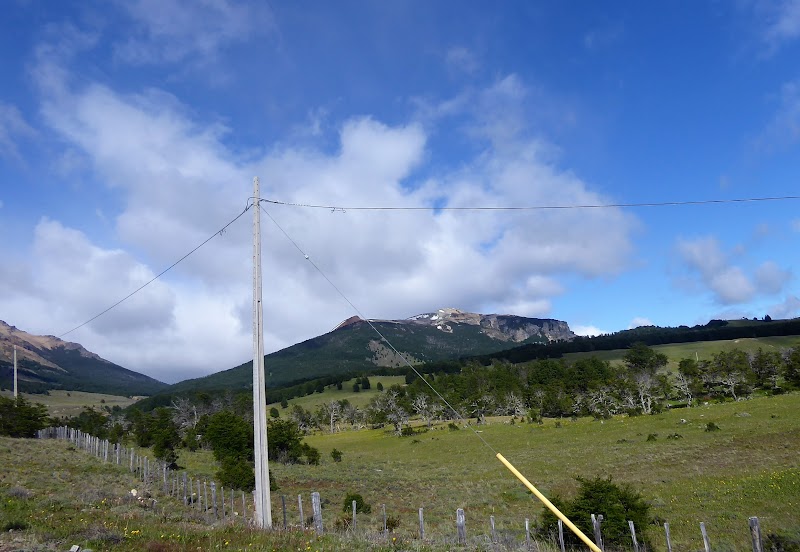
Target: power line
{"x": 342, "y": 209}
{"x": 376, "y": 330}
{"x": 157, "y": 276}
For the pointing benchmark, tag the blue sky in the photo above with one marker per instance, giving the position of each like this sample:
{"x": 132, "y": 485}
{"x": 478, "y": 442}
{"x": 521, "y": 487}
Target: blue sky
{"x": 130, "y": 132}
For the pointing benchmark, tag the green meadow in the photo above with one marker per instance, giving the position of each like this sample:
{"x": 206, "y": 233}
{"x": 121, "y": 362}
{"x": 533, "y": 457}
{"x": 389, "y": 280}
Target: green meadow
{"x": 703, "y": 350}
{"x": 70, "y": 403}
{"x": 749, "y": 467}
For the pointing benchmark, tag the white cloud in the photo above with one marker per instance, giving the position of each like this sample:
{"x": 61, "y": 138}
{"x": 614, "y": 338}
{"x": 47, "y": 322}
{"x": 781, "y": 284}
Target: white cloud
{"x": 784, "y": 129}
{"x": 172, "y": 31}
{"x": 729, "y": 283}
{"x": 176, "y": 182}
{"x": 782, "y": 23}
{"x": 13, "y": 128}
{"x": 638, "y": 322}
{"x": 462, "y": 60}
{"x": 789, "y": 308}
{"x": 771, "y": 278}
{"x": 588, "y": 331}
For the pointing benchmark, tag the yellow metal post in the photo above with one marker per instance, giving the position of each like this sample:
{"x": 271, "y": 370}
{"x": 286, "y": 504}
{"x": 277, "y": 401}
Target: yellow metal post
{"x": 549, "y": 504}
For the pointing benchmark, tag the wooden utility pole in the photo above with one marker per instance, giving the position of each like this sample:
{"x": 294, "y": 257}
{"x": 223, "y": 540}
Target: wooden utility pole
{"x": 15, "y": 371}
{"x": 263, "y": 517}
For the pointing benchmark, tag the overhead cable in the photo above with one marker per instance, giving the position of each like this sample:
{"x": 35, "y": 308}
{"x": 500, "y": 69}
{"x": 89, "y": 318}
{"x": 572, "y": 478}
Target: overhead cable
{"x": 343, "y": 208}
{"x": 160, "y": 274}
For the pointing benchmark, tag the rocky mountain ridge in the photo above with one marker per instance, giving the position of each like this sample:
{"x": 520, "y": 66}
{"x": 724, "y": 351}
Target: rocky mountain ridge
{"x": 502, "y": 327}
{"x": 47, "y": 362}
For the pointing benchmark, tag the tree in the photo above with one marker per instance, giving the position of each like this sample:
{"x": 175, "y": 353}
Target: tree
{"x": 643, "y": 364}
{"x": 386, "y": 407}
{"x": 765, "y": 367}
{"x": 618, "y": 504}
{"x": 231, "y": 440}
{"x": 285, "y": 443}
{"x": 90, "y": 421}
{"x": 730, "y": 369}
{"x": 426, "y": 408}
{"x": 20, "y": 418}
{"x": 791, "y": 367}
{"x": 165, "y": 436}
{"x": 274, "y": 413}
{"x": 379, "y": 387}
{"x": 330, "y": 413}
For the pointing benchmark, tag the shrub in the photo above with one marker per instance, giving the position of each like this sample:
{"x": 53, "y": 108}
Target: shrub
{"x": 617, "y": 504}
{"x": 336, "y": 454}
{"x": 452, "y": 427}
{"x": 711, "y": 426}
{"x": 19, "y": 418}
{"x": 361, "y": 506}
{"x": 652, "y": 437}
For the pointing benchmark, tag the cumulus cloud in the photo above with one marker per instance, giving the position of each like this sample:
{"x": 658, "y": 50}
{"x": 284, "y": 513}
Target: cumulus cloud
{"x": 770, "y": 278}
{"x": 729, "y": 283}
{"x": 788, "y": 308}
{"x": 639, "y": 321}
{"x": 172, "y": 31}
{"x": 177, "y": 182}
{"x": 588, "y": 331}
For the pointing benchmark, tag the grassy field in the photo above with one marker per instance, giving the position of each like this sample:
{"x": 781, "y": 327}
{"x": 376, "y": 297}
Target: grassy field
{"x": 360, "y": 399}
{"x": 704, "y": 349}
{"x": 71, "y": 403}
{"x": 748, "y": 468}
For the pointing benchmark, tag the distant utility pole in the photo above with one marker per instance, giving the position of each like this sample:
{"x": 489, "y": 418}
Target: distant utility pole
{"x": 15, "y": 371}
{"x": 262, "y": 497}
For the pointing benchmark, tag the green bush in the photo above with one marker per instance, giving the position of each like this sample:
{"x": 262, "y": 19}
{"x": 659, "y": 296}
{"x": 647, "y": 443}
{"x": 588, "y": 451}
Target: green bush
{"x": 19, "y": 418}
{"x": 617, "y": 504}
{"x": 711, "y": 426}
{"x": 361, "y": 506}
{"x": 336, "y": 454}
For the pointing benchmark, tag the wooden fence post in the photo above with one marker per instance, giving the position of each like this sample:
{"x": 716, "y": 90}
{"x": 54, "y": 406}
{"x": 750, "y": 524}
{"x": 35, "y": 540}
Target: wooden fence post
{"x": 421, "y": 526}
{"x": 214, "y": 498}
{"x": 300, "y": 506}
{"x": 633, "y": 536}
{"x": 222, "y": 500}
{"x": 669, "y": 541}
{"x": 755, "y": 534}
{"x": 283, "y": 504}
{"x": 598, "y": 534}
{"x": 706, "y": 542}
{"x": 527, "y": 534}
{"x": 561, "y": 535}
{"x": 316, "y": 506}
{"x": 185, "y": 500}
{"x": 244, "y": 508}
{"x": 461, "y": 526}
{"x": 385, "y": 529}
{"x": 491, "y": 525}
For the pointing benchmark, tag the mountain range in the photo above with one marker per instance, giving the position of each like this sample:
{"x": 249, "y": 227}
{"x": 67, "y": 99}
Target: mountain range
{"x": 46, "y": 362}
{"x": 357, "y": 345}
